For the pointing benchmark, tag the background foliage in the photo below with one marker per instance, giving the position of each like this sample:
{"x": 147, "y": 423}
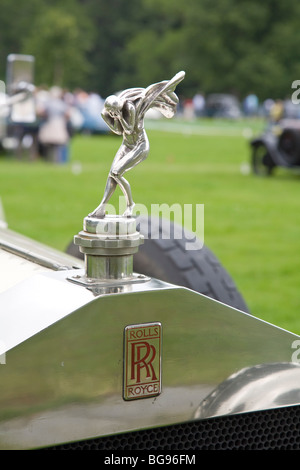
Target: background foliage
{"x": 238, "y": 46}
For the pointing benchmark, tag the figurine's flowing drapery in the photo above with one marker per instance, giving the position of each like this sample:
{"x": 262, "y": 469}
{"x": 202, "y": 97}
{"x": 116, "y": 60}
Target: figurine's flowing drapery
{"x": 159, "y": 95}
{"x": 124, "y": 114}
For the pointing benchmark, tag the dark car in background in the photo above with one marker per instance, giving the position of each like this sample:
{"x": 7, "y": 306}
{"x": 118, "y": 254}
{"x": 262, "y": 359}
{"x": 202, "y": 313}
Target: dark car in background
{"x": 222, "y": 105}
{"x": 278, "y": 146}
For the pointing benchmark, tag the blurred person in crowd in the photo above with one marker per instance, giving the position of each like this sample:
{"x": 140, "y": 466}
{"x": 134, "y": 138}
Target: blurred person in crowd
{"x": 90, "y": 105}
{"x": 276, "y": 111}
{"x": 53, "y": 132}
{"x": 267, "y": 106}
{"x": 199, "y": 104}
{"x": 251, "y": 105}
{"x": 291, "y": 110}
{"x": 188, "y": 109}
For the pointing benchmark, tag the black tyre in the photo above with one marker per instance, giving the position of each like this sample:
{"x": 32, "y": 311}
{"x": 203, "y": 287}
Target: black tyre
{"x": 166, "y": 255}
{"x": 262, "y": 163}
{"x": 289, "y": 145}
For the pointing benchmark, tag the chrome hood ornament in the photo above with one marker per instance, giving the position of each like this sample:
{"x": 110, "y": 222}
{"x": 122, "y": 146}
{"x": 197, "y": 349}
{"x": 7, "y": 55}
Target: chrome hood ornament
{"x": 110, "y": 241}
{"x": 124, "y": 114}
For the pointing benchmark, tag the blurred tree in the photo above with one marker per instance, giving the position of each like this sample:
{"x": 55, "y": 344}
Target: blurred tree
{"x": 150, "y": 51}
{"x": 224, "y": 46}
{"x": 59, "y": 40}
{"x": 115, "y": 22}
{"x": 15, "y": 23}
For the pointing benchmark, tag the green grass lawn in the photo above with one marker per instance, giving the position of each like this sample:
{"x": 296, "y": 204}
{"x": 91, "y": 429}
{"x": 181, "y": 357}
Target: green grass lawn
{"x": 251, "y": 224}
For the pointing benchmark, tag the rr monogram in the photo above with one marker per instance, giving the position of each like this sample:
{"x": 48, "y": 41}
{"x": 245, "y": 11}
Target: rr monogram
{"x": 142, "y": 352}
{"x": 142, "y": 361}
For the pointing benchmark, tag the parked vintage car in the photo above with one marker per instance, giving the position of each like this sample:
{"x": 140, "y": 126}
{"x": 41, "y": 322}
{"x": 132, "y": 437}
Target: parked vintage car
{"x": 125, "y": 349}
{"x": 278, "y": 146}
{"x": 135, "y": 362}
{"x": 220, "y": 105}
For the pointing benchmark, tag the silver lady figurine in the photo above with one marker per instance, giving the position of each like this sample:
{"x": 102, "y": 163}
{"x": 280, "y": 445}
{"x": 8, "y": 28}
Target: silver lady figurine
{"x": 124, "y": 114}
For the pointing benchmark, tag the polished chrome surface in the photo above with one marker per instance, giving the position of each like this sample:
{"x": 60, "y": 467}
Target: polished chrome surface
{"x": 112, "y": 267}
{"x": 35, "y": 252}
{"x": 252, "y": 389}
{"x": 110, "y": 226}
{"x": 15, "y": 269}
{"x": 63, "y": 376}
{"x": 108, "y": 246}
{"x": 124, "y": 115}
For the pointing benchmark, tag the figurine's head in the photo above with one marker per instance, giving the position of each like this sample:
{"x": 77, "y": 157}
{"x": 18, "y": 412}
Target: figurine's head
{"x": 113, "y": 105}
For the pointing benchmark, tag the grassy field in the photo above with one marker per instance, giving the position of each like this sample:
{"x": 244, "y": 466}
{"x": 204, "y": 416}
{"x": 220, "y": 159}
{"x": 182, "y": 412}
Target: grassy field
{"x": 251, "y": 224}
